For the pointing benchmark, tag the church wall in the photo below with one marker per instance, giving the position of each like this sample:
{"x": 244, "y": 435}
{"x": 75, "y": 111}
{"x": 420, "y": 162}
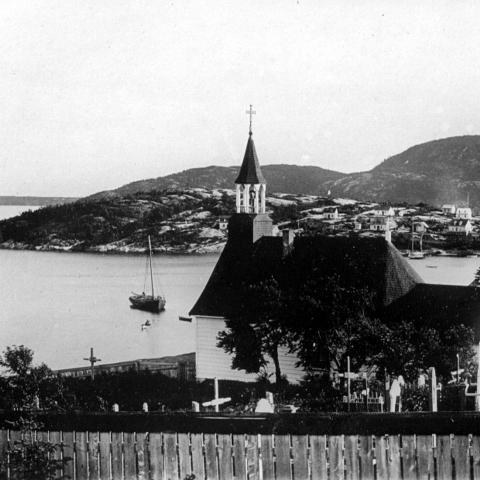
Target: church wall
{"x": 212, "y": 361}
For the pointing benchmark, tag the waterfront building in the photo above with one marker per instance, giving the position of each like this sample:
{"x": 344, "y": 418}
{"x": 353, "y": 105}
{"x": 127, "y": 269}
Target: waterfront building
{"x": 382, "y": 223}
{"x": 462, "y": 227}
{"x": 448, "y": 209}
{"x": 464, "y": 213}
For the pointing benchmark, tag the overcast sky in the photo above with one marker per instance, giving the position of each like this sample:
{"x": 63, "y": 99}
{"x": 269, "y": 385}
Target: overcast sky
{"x": 96, "y": 94}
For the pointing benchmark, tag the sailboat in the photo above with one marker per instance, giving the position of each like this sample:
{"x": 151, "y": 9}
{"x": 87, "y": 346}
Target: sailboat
{"x": 412, "y": 254}
{"x": 150, "y": 303}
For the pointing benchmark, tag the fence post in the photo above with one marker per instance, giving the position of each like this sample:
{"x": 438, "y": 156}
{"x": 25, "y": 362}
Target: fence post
{"x": 477, "y": 398}
{"x": 433, "y": 391}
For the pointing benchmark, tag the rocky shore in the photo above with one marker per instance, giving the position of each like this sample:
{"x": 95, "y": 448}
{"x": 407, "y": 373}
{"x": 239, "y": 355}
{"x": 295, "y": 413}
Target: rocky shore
{"x": 117, "y": 248}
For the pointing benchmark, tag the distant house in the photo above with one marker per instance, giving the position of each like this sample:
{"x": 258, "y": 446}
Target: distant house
{"x": 384, "y": 213}
{"x": 222, "y": 223}
{"x": 331, "y": 214}
{"x": 360, "y": 223}
{"x": 380, "y": 224}
{"x": 420, "y": 227}
{"x": 465, "y": 213}
{"x": 449, "y": 209}
{"x": 462, "y": 226}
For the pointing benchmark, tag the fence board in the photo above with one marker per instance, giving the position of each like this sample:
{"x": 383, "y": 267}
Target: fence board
{"x": 318, "y": 455}
{"x": 130, "y": 461}
{"x": 365, "y": 455}
{"x": 335, "y": 457}
{"x": 184, "y": 459}
{"x": 444, "y": 458}
{"x": 408, "y": 457}
{"x": 93, "y": 455}
{"x": 211, "y": 456}
{"x": 252, "y": 457}
{"x": 351, "y": 457}
{"x": 155, "y": 451}
{"x": 476, "y": 456}
{"x": 381, "y": 457}
{"x": 461, "y": 454}
{"x": 240, "y": 461}
{"x": 198, "y": 464}
{"x": 81, "y": 456}
{"x": 142, "y": 456}
{"x": 225, "y": 456}
{"x": 425, "y": 468}
{"x": 56, "y": 439}
{"x": 68, "y": 449}
{"x": 282, "y": 457}
{"x": 300, "y": 456}
{"x": 394, "y": 459}
{"x": 117, "y": 455}
{"x": 268, "y": 464}
{"x": 104, "y": 463}
{"x": 170, "y": 448}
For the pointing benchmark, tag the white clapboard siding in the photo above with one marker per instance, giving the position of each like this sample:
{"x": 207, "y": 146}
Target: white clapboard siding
{"x": 212, "y": 361}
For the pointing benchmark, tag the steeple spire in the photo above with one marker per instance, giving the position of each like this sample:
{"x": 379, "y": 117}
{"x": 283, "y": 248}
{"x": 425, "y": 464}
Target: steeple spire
{"x": 251, "y": 185}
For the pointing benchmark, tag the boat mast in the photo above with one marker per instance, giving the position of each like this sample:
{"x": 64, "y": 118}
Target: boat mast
{"x": 150, "y": 256}
{"x": 413, "y": 227}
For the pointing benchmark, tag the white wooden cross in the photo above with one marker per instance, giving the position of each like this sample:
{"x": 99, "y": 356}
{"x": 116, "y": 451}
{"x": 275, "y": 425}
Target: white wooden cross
{"x": 217, "y": 401}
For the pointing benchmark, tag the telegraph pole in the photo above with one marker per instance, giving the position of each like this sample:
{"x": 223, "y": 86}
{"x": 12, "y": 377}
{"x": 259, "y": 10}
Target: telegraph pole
{"x": 92, "y": 359}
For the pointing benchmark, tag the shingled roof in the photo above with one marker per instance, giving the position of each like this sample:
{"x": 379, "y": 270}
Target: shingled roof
{"x": 436, "y": 305}
{"x": 250, "y": 171}
{"x": 370, "y": 262}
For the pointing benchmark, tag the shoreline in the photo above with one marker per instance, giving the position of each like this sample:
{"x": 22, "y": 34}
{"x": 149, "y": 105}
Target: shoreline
{"x": 107, "y": 249}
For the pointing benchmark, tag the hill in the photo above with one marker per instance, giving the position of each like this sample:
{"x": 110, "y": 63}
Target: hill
{"x": 280, "y": 178}
{"x": 436, "y": 172}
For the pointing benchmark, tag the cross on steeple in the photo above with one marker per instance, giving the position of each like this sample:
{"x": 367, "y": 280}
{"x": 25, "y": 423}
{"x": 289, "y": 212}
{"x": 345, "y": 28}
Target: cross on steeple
{"x": 92, "y": 359}
{"x": 250, "y": 112}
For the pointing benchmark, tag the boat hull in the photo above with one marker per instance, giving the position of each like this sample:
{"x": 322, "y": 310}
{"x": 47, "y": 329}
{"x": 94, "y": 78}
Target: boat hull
{"x": 147, "y": 303}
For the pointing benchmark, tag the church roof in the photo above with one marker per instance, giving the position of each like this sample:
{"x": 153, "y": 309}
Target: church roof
{"x": 370, "y": 262}
{"x": 250, "y": 170}
{"x": 428, "y": 304}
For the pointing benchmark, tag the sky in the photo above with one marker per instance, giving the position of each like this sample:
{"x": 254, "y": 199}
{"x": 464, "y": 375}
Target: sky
{"x": 96, "y": 94}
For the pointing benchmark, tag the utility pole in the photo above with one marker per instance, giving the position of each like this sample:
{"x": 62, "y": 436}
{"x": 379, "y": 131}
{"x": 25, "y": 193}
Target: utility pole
{"x": 92, "y": 359}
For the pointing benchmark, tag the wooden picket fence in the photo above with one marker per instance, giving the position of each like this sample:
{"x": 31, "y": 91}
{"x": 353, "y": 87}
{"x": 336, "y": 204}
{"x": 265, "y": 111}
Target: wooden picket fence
{"x": 173, "y": 456}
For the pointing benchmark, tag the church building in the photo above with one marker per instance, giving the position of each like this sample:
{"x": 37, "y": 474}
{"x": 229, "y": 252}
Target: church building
{"x": 251, "y": 249}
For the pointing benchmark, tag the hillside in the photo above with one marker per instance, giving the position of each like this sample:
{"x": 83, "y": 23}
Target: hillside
{"x": 280, "y": 178}
{"x": 179, "y": 221}
{"x": 436, "y": 172}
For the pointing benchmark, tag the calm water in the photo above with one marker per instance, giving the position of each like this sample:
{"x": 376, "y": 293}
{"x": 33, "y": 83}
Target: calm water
{"x": 7, "y": 211}
{"x": 61, "y": 304}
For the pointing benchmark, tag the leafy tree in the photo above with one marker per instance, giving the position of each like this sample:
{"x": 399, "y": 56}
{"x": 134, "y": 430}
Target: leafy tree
{"x": 328, "y": 321}
{"x": 407, "y": 348}
{"x": 255, "y": 333}
{"x": 25, "y": 383}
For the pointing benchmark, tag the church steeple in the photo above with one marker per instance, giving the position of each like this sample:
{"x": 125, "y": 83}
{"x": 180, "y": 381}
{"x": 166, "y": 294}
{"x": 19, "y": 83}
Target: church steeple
{"x": 250, "y": 183}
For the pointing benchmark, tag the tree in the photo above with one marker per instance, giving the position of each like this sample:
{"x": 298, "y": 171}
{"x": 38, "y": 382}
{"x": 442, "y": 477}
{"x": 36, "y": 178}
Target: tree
{"x": 26, "y": 383}
{"x": 327, "y": 322}
{"x": 408, "y": 348}
{"x": 255, "y": 333}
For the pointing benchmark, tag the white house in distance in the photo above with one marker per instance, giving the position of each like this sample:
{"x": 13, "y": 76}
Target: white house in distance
{"x": 389, "y": 212}
{"x": 381, "y": 224}
{"x": 330, "y": 214}
{"x": 462, "y": 226}
{"x": 448, "y": 209}
{"x": 464, "y": 213}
